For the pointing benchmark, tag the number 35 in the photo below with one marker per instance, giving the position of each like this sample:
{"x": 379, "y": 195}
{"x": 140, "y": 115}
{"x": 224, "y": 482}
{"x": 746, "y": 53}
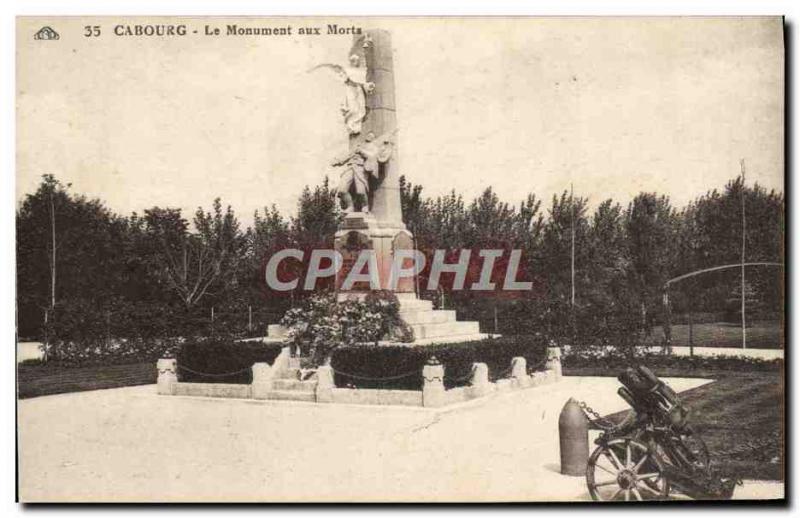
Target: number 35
{"x": 91, "y": 31}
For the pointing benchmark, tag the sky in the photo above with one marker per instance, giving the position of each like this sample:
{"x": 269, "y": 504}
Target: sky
{"x": 614, "y": 106}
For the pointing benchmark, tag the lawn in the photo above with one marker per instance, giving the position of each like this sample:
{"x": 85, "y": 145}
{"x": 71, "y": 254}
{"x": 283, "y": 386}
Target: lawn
{"x": 737, "y": 409}
{"x": 762, "y": 335}
{"x": 41, "y": 380}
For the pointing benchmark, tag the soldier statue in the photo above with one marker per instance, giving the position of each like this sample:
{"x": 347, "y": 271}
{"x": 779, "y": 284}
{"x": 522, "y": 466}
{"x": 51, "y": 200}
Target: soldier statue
{"x": 357, "y": 169}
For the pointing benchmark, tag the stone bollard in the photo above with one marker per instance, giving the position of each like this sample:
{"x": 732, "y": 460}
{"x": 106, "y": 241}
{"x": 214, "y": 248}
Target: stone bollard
{"x": 573, "y": 436}
{"x": 553, "y": 362}
{"x": 325, "y": 384}
{"x": 433, "y": 383}
{"x": 479, "y": 385}
{"x": 519, "y": 372}
{"x": 167, "y": 375}
{"x": 263, "y": 374}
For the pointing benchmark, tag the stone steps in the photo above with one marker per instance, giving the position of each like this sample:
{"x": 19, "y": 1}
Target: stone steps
{"x": 288, "y": 374}
{"x": 451, "y": 339}
{"x": 294, "y": 385}
{"x": 408, "y": 304}
{"x": 444, "y": 330}
{"x": 428, "y": 316}
{"x": 292, "y": 395}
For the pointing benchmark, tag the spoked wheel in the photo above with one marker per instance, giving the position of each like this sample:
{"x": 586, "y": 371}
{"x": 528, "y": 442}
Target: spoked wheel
{"x": 625, "y": 470}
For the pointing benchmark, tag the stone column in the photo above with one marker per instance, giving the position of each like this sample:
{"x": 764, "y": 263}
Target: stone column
{"x": 519, "y": 372}
{"x": 554, "y": 361}
{"x": 325, "y": 384}
{"x": 167, "y": 375}
{"x": 376, "y": 48}
{"x": 263, "y": 375}
{"x": 433, "y": 384}
{"x": 382, "y": 230}
{"x": 479, "y": 385}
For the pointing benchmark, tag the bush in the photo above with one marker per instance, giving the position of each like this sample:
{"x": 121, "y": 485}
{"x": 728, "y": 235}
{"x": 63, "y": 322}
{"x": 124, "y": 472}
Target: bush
{"x": 400, "y": 367}
{"x": 221, "y": 359}
{"x": 91, "y": 351}
{"x": 612, "y": 361}
{"x": 80, "y": 333}
{"x": 321, "y": 323}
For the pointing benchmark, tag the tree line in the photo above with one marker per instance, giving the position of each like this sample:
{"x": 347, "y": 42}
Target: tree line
{"x": 83, "y": 269}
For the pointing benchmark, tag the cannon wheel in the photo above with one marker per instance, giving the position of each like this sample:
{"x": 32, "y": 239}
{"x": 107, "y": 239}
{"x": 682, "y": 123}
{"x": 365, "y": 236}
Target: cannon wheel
{"x": 627, "y": 470}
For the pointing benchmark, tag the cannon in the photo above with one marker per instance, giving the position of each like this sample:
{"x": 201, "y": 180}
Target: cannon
{"x": 654, "y": 450}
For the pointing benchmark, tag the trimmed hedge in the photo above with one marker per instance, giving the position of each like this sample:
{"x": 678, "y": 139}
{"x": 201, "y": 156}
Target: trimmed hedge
{"x": 600, "y": 363}
{"x": 35, "y": 378}
{"x": 400, "y": 367}
{"x": 222, "y": 360}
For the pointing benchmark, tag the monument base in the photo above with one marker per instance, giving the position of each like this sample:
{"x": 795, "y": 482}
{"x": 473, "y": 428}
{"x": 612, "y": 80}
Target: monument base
{"x": 430, "y": 326}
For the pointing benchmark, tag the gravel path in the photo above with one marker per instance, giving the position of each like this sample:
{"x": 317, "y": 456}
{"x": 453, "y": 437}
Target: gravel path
{"x": 130, "y": 444}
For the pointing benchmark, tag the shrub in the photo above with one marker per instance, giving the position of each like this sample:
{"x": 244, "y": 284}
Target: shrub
{"x": 400, "y": 367}
{"x": 91, "y": 351}
{"x": 321, "y": 323}
{"x": 81, "y": 333}
{"x": 613, "y": 361}
{"x": 221, "y": 359}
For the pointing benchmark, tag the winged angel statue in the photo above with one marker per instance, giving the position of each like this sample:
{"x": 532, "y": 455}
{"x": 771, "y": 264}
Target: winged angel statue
{"x": 354, "y": 77}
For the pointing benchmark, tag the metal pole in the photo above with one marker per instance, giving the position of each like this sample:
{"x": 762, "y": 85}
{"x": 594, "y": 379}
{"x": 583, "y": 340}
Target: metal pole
{"x": 667, "y": 317}
{"x": 572, "y": 253}
{"x": 573, "y": 323}
{"x": 53, "y": 240}
{"x": 744, "y": 228}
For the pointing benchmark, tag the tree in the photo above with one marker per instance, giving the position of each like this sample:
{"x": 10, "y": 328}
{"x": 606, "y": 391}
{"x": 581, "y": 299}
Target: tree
{"x": 67, "y": 249}
{"x": 651, "y": 225}
{"x": 711, "y": 236}
{"x": 200, "y": 263}
{"x": 318, "y": 216}
{"x": 554, "y": 260}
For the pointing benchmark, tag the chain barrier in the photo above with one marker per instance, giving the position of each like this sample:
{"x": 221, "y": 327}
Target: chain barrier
{"x": 468, "y": 375}
{"x": 596, "y": 419}
{"x": 368, "y": 378}
{"x": 214, "y": 375}
{"x": 358, "y": 376}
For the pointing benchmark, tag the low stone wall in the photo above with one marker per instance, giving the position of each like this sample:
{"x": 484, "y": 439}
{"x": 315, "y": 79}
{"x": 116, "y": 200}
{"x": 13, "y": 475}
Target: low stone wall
{"x": 226, "y": 390}
{"x": 432, "y": 395}
{"x": 376, "y": 397}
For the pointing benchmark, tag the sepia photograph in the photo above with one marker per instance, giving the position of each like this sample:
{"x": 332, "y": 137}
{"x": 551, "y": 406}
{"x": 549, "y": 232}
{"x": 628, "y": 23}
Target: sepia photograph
{"x": 400, "y": 259}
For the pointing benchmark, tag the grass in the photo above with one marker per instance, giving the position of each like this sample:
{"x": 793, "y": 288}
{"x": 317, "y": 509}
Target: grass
{"x": 762, "y": 335}
{"x": 734, "y": 410}
{"x": 36, "y": 379}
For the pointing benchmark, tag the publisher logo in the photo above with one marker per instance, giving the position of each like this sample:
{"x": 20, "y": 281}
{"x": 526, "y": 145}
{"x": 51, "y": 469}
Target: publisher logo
{"x": 46, "y": 33}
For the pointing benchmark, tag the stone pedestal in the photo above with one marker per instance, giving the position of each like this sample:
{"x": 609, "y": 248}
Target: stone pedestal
{"x": 553, "y": 362}
{"x": 362, "y": 233}
{"x": 519, "y": 372}
{"x": 325, "y": 384}
{"x": 433, "y": 385}
{"x": 167, "y": 375}
{"x": 479, "y": 385}
{"x": 263, "y": 374}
